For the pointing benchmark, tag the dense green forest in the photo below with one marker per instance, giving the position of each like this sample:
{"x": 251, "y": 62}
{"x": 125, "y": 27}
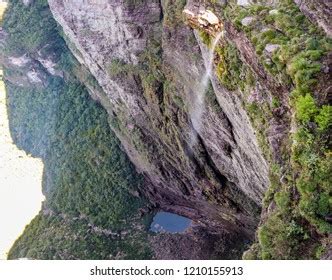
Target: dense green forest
{"x": 55, "y": 238}
{"x": 87, "y": 178}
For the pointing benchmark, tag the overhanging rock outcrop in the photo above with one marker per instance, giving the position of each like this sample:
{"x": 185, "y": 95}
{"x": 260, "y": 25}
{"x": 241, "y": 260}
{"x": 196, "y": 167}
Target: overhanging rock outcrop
{"x": 203, "y": 19}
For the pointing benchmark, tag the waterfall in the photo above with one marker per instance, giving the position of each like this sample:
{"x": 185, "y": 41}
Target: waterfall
{"x": 199, "y": 98}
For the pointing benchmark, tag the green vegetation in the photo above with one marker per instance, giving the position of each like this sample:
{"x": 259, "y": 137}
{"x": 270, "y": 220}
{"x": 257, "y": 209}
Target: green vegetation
{"x": 173, "y": 15}
{"x": 151, "y": 71}
{"x": 92, "y": 170}
{"x": 259, "y": 114}
{"x": 231, "y": 71}
{"x": 280, "y": 240}
{"x": 52, "y": 237}
{"x": 29, "y": 27}
{"x": 118, "y": 67}
{"x": 205, "y": 37}
{"x": 86, "y": 174}
{"x": 324, "y": 118}
{"x": 306, "y": 108}
{"x": 303, "y": 196}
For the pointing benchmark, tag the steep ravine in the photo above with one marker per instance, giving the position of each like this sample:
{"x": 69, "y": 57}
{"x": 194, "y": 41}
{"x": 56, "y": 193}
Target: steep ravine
{"x": 143, "y": 61}
{"x": 153, "y": 129}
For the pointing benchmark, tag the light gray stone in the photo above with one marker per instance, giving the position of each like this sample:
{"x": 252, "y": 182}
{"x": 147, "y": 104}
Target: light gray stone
{"x": 270, "y": 48}
{"x": 273, "y": 12}
{"x": 247, "y": 21}
{"x": 244, "y": 3}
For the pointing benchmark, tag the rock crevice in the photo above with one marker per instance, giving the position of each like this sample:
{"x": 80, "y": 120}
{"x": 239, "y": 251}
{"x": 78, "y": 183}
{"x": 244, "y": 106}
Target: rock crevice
{"x": 226, "y": 161}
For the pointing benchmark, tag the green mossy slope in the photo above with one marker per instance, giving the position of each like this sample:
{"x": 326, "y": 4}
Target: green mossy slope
{"x": 301, "y": 187}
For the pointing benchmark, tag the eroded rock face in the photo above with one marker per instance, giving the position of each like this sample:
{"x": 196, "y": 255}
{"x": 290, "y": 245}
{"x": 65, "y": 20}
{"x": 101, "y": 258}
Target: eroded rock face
{"x": 204, "y": 19}
{"x": 220, "y": 180}
{"x": 28, "y": 71}
{"x": 27, "y": 2}
{"x": 31, "y": 69}
{"x": 318, "y": 11}
{"x": 196, "y": 244}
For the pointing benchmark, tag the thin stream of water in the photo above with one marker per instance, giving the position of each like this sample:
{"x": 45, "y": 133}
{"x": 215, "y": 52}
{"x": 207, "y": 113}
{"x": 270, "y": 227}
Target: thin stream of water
{"x": 199, "y": 99}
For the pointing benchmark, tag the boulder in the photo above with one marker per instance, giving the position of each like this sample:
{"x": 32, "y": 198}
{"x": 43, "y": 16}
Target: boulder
{"x": 247, "y": 21}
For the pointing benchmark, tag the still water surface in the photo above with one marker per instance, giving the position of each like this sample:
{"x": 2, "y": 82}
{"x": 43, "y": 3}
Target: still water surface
{"x": 169, "y": 222}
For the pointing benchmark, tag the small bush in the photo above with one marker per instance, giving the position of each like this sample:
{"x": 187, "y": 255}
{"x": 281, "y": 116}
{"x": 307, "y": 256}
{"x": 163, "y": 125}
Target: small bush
{"x": 282, "y": 199}
{"x": 324, "y": 118}
{"x": 306, "y": 108}
{"x": 206, "y": 38}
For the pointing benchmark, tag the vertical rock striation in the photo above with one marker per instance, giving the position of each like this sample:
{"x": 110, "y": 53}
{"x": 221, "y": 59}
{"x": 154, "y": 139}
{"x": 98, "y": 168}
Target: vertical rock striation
{"x": 220, "y": 181}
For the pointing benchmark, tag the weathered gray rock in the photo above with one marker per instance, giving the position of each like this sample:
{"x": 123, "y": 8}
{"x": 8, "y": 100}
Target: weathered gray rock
{"x": 220, "y": 180}
{"x": 35, "y": 77}
{"x": 244, "y": 3}
{"x": 28, "y": 71}
{"x": 49, "y": 62}
{"x": 270, "y": 48}
{"x": 19, "y": 61}
{"x": 273, "y": 12}
{"x": 247, "y": 21}
{"x": 27, "y": 2}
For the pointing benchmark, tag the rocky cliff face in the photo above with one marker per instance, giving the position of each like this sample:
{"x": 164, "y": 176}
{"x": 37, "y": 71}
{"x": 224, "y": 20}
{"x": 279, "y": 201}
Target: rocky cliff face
{"x": 150, "y": 66}
{"x": 221, "y": 178}
{"x": 249, "y": 150}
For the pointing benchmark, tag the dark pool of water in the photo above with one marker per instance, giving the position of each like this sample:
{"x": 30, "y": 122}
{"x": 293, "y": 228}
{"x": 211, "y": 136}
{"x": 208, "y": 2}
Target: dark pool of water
{"x": 169, "y": 222}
